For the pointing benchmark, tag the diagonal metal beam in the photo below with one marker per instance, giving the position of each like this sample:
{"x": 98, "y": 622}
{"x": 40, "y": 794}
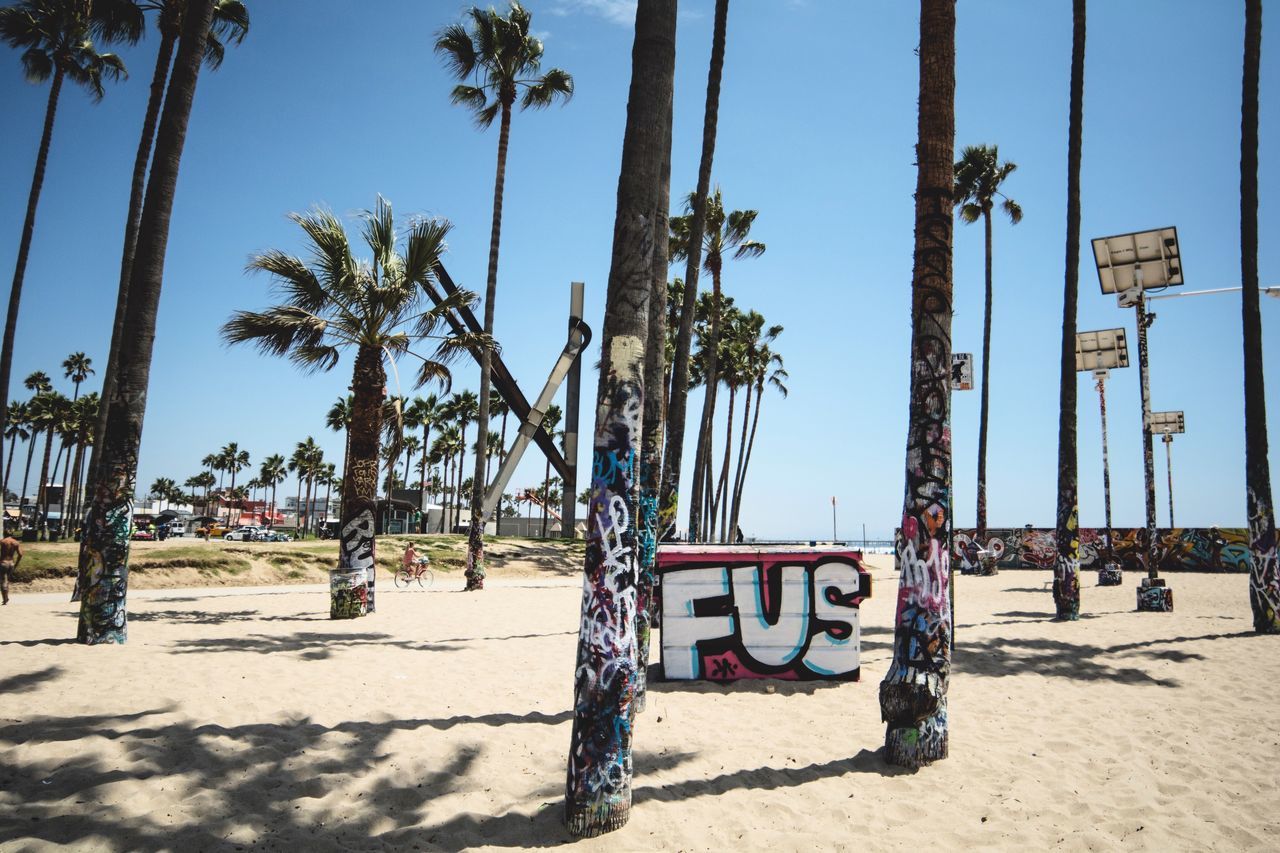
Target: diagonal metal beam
{"x": 503, "y": 381}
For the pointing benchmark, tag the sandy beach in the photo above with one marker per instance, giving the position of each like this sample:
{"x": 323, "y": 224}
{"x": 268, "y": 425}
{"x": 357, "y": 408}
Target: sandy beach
{"x": 243, "y": 718}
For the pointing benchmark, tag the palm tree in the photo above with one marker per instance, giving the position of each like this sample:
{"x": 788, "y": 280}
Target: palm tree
{"x": 679, "y": 393}
{"x": 48, "y": 412}
{"x": 410, "y": 445}
{"x": 15, "y": 427}
{"x": 231, "y": 458}
{"x": 494, "y": 449}
{"x": 37, "y": 382}
{"x": 606, "y": 667}
{"x": 338, "y": 419}
{"x": 1066, "y": 569}
{"x": 230, "y": 24}
{"x": 163, "y": 488}
{"x": 733, "y": 375}
{"x": 496, "y": 59}
{"x": 77, "y": 367}
{"x": 272, "y": 473}
{"x": 463, "y": 407}
{"x": 760, "y": 366}
{"x": 423, "y": 412}
{"x": 84, "y": 417}
{"x": 327, "y": 473}
{"x": 375, "y": 308}
{"x": 979, "y": 174}
{"x": 766, "y": 369}
{"x": 447, "y": 445}
{"x": 1264, "y": 575}
{"x": 550, "y": 421}
{"x": 104, "y": 551}
{"x": 56, "y": 40}
{"x": 724, "y": 233}
{"x": 913, "y": 694}
{"x": 498, "y": 408}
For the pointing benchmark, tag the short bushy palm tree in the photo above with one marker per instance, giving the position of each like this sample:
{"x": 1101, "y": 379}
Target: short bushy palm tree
{"x": 497, "y": 61}
{"x": 979, "y": 175}
{"x": 377, "y": 308}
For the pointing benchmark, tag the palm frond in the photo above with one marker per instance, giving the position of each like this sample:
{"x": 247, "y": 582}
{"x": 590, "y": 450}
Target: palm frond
{"x": 750, "y": 249}
{"x": 434, "y": 371}
{"x": 425, "y": 245}
{"x": 379, "y": 231}
{"x": 555, "y": 83}
{"x": 36, "y": 65}
{"x": 1013, "y": 209}
{"x": 454, "y": 44}
{"x": 298, "y": 283}
{"x": 970, "y": 212}
{"x": 314, "y": 359}
{"x": 484, "y": 118}
{"x": 276, "y": 330}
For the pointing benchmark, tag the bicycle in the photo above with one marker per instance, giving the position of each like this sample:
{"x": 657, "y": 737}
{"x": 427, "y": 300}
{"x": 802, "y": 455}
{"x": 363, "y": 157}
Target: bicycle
{"x": 421, "y": 572}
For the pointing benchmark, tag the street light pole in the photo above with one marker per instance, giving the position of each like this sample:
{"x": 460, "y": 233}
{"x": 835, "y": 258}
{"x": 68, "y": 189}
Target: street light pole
{"x": 1101, "y": 351}
{"x": 1148, "y": 460}
{"x": 1168, "y": 455}
{"x": 1108, "y": 560}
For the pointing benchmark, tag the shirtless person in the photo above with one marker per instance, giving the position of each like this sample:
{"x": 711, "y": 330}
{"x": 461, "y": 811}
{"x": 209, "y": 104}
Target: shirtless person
{"x": 10, "y": 556}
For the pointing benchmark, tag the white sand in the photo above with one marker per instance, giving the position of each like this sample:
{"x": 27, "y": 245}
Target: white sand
{"x": 442, "y": 722}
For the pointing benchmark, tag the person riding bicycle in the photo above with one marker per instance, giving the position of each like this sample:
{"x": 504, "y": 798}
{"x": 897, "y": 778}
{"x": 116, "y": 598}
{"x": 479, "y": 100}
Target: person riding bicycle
{"x": 411, "y": 560}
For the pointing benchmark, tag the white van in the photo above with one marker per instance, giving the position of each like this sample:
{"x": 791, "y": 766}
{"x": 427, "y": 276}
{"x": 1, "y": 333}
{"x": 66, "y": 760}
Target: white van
{"x": 177, "y": 528}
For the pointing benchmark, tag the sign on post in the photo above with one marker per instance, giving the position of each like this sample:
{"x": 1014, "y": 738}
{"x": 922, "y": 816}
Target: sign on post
{"x": 961, "y": 371}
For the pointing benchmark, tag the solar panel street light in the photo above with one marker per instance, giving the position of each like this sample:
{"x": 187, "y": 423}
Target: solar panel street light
{"x": 1101, "y": 351}
{"x": 1168, "y": 424}
{"x": 1128, "y": 266}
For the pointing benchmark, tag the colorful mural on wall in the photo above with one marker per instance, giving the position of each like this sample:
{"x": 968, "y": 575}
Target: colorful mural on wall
{"x": 1178, "y": 549}
{"x": 733, "y": 612}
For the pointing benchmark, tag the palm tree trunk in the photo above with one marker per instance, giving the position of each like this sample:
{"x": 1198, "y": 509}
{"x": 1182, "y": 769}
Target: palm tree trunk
{"x": 677, "y": 405}
{"x": 8, "y": 465}
{"x": 159, "y": 79}
{"x": 654, "y": 415}
{"x": 746, "y": 459}
{"x": 475, "y": 537}
{"x": 42, "y": 497}
{"x": 702, "y": 457}
{"x": 913, "y": 694}
{"x": 26, "y": 475}
{"x": 605, "y": 674}
{"x": 738, "y": 469}
{"x": 426, "y": 433}
{"x": 356, "y": 551}
{"x": 24, "y": 246}
{"x": 297, "y": 521}
{"x": 722, "y": 487}
{"x": 69, "y": 524}
{"x": 981, "y": 502}
{"x": 1264, "y": 575}
{"x": 546, "y": 497}
{"x": 1066, "y": 570}
{"x": 104, "y": 551}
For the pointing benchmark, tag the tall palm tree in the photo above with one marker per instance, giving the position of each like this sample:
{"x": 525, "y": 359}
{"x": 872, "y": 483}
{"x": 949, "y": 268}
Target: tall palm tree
{"x": 377, "y": 309}
{"x": 305, "y": 462}
{"x": 1066, "y": 569}
{"x": 37, "y": 382}
{"x": 1264, "y": 575}
{"x": 163, "y": 488}
{"x": 444, "y": 449}
{"x": 233, "y": 459}
{"x": 56, "y": 38}
{"x": 104, "y": 550}
{"x": 338, "y": 419}
{"x": 496, "y": 60}
{"x": 979, "y": 175}
{"x": 48, "y": 412}
{"x": 725, "y": 233}
{"x": 733, "y": 375}
{"x": 409, "y": 446}
{"x": 230, "y": 25}
{"x": 498, "y": 408}
{"x": 913, "y": 693}
{"x": 550, "y": 421}
{"x": 15, "y": 428}
{"x": 605, "y": 673}
{"x": 84, "y": 416}
{"x": 766, "y": 369}
{"x": 423, "y": 412}
{"x": 680, "y": 368}
{"x": 463, "y": 408}
{"x": 272, "y": 473}
{"x": 760, "y": 365}
{"x": 77, "y": 367}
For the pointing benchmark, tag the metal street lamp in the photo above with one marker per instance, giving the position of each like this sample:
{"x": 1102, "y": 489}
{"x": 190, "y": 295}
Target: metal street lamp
{"x": 1101, "y": 352}
{"x": 1168, "y": 424}
{"x": 1128, "y": 266}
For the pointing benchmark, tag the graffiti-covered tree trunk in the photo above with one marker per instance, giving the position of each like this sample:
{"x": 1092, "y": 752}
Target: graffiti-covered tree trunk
{"x": 1264, "y": 577}
{"x": 1066, "y": 568}
{"x": 360, "y": 490}
{"x": 677, "y": 405}
{"x": 598, "y": 784}
{"x": 913, "y": 694}
{"x": 651, "y": 436}
{"x": 104, "y": 547}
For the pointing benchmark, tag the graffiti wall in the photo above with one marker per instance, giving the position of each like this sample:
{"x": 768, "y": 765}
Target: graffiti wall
{"x": 733, "y": 612}
{"x": 1178, "y": 549}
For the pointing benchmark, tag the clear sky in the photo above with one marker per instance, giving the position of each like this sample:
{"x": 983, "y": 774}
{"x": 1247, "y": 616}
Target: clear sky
{"x": 332, "y": 102}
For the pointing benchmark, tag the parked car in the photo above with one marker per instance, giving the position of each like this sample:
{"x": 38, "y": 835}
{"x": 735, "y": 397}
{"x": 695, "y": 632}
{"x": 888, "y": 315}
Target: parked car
{"x": 242, "y": 534}
{"x": 143, "y": 535}
{"x": 177, "y": 528}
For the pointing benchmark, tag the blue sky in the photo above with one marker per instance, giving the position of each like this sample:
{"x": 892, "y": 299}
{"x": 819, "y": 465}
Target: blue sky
{"x": 333, "y": 102}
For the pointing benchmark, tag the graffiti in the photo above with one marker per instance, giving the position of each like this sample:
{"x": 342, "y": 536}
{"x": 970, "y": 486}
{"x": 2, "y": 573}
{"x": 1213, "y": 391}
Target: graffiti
{"x": 969, "y": 554}
{"x": 645, "y": 584}
{"x": 1066, "y": 570}
{"x": 779, "y": 613}
{"x": 356, "y": 554}
{"x": 1264, "y": 568}
{"x": 1194, "y": 549}
{"x": 598, "y": 783}
{"x": 1154, "y": 596}
{"x": 104, "y": 575}
{"x": 348, "y": 594}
